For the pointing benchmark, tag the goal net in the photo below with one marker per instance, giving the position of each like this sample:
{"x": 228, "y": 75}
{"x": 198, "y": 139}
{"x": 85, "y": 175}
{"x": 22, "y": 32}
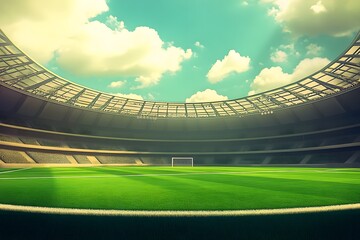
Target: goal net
{"x": 182, "y": 161}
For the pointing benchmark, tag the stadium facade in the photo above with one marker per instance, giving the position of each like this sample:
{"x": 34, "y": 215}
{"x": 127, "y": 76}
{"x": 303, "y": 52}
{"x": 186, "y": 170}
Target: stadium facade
{"x": 45, "y": 119}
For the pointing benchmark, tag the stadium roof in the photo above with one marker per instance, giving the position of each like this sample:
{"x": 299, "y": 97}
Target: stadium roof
{"x": 20, "y": 72}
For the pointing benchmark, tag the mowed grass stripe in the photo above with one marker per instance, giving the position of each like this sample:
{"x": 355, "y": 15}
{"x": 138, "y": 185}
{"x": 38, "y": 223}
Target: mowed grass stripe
{"x": 284, "y": 188}
{"x": 109, "y": 175}
{"x": 323, "y": 176}
{"x": 166, "y": 196}
{"x": 163, "y": 188}
{"x": 143, "y": 170}
{"x": 136, "y": 172}
{"x": 247, "y": 195}
{"x": 163, "y": 197}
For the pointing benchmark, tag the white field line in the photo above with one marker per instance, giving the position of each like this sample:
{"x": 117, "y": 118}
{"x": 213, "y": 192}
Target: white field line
{"x": 60, "y": 172}
{"x": 141, "y": 213}
{"x": 16, "y": 170}
{"x": 339, "y": 170}
{"x": 142, "y": 175}
{"x": 109, "y": 175}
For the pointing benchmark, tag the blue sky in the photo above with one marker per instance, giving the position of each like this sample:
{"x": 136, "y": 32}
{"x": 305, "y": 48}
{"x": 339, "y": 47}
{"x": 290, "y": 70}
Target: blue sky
{"x": 182, "y": 50}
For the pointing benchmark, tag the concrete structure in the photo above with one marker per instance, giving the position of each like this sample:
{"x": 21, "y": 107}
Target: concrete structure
{"x": 315, "y": 120}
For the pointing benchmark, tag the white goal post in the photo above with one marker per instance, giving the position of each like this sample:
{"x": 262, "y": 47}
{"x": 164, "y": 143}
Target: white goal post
{"x": 182, "y": 161}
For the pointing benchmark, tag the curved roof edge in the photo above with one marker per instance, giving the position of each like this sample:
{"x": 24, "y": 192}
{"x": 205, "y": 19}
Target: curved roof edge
{"x": 19, "y": 72}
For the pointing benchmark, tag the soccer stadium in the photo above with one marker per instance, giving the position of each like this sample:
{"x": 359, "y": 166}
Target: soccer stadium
{"x": 280, "y": 164}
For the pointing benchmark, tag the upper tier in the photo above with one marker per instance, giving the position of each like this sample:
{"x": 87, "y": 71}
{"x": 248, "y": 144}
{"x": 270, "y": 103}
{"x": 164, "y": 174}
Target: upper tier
{"x": 20, "y": 73}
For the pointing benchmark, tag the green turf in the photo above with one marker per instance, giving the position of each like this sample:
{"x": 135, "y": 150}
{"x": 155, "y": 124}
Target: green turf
{"x": 180, "y": 188}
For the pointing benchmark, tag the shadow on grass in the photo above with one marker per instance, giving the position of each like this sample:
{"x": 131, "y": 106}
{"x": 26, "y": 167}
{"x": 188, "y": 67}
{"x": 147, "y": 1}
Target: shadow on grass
{"x": 139, "y": 170}
{"x": 23, "y": 191}
{"x": 345, "y": 191}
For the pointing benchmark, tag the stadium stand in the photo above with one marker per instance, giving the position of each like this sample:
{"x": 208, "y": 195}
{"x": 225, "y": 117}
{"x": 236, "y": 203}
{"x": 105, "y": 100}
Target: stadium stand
{"x": 50, "y": 120}
{"x": 27, "y": 140}
{"x": 82, "y": 159}
{"x": 267, "y": 150}
{"x": 41, "y": 157}
{"x": 116, "y": 160}
{"x": 9, "y": 138}
{"x": 8, "y": 156}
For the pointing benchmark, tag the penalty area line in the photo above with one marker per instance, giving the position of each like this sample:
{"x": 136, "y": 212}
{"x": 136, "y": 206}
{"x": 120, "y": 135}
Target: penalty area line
{"x": 200, "y": 213}
{"x": 16, "y": 170}
{"x": 149, "y": 175}
{"x": 105, "y": 175}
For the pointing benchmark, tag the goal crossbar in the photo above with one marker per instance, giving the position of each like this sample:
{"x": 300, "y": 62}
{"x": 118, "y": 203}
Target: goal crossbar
{"x": 174, "y": 159}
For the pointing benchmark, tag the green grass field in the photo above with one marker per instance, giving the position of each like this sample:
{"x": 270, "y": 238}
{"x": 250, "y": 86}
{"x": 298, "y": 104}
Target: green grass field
{"x": 179, "y": 188}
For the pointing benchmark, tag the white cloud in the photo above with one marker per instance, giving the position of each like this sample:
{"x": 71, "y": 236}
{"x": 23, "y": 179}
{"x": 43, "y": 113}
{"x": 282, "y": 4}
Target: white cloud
{"x": 39, "y": 27}
{"x": 188, "y": 53}
{"x": 199, "y": 45}
{"x": 309, "y": 66}
{"x": 207, "y": 95}
{"x": 88, "y": 47}
{"x": 98, "y": 50}
{"x": 278, "y": 56}
{"x": 314, "y": 17}
{"x": 231, "y": 63}
{"x": 151, "y": 96}
{"x": 313, "y": 49}
{"x": 290, "y": 48}
{"x": 282, "y": 53}
{"x": 273, "y": 11}
{"x": 270, "y": 78}
{"x": 318, "y": 8}
{"x": 113, "y": 22}
{"x": 130, "y": 95}
{"x": 116, "y": 84}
